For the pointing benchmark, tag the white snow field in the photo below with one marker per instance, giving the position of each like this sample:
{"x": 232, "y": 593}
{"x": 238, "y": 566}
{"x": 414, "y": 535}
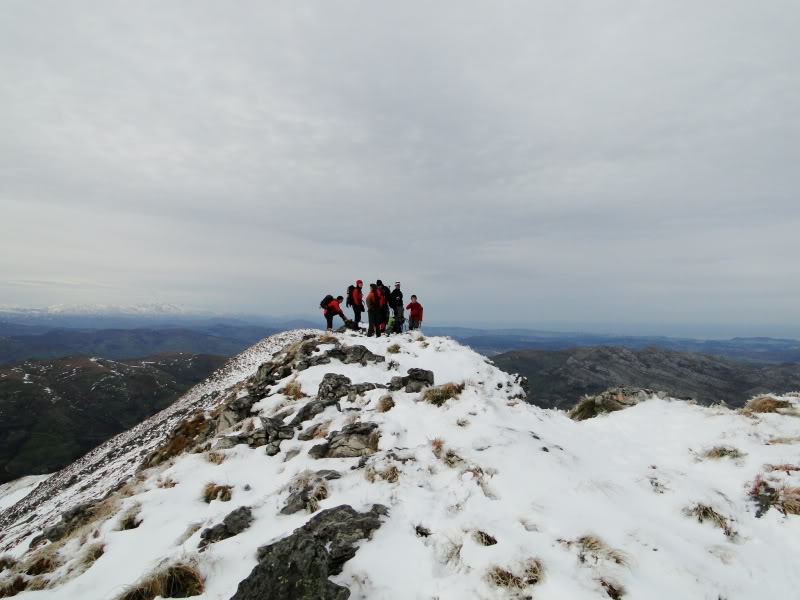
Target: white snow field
{"x": 602, "y": 507}
{"x": 14, "y": 491}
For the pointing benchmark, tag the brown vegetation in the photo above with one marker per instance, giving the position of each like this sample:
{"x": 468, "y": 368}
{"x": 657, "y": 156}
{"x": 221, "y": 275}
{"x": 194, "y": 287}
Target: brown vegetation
{"x": 532, "y": 574}
{"x": 703, "y": 513}
{"x": 385, "y": 404}
{"x": 723, "y": 452}
{"x": 13, "y": 587}
{"x": 186, "y": 434}
{"x": 484, "y": 539}
{"x": 766, "y": 404}
{"x": 213, "y": 491}
{"x": 440, "y": 394}
{"x": 293, "y": 390}
{"x": 180, "y": 580}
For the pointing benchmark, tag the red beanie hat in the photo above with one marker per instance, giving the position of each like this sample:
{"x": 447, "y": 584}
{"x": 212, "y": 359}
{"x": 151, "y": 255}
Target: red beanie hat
{"x": 359, "y": 282}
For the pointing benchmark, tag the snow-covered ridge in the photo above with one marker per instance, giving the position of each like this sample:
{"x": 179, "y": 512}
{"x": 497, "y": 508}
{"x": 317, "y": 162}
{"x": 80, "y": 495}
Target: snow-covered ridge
{"x": 487, "y": 496}
{"x": 115, "y": 461}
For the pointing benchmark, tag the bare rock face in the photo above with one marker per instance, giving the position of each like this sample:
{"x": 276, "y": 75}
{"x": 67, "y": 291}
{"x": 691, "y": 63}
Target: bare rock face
{"x": 298, "y": 566}
{"x": 300, "y": 499}
{"x": 415, "y": 381}
{"x": 358, "y": 439}
{"x": 233, "y": 524}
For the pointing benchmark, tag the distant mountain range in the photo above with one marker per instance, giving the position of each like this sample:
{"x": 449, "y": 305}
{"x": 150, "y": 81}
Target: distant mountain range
{"x": 54, "y": 411}
{"x": 490, "y": 342}
{"x": 558, "y": 378}
{"x": 217, "y": 339}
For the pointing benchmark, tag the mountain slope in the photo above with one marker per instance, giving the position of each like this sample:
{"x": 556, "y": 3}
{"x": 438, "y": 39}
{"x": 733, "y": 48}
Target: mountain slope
{"x": 320, "y": 482}
{"x": 558, "y": 378}
{"x": 54, "y": 411}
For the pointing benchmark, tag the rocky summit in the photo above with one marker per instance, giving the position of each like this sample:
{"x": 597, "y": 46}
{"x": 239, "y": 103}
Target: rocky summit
{"x": 335, "y": 466}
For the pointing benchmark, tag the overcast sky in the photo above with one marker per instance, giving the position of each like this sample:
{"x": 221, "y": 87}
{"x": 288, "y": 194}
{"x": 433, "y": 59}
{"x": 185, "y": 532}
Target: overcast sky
{"x": 511, "y": 163}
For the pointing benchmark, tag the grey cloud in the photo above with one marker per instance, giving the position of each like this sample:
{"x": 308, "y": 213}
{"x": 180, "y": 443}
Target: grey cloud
{"x": 609, "y": 159}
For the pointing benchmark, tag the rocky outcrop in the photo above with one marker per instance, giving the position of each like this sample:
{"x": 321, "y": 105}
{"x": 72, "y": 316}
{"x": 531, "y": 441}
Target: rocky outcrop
{"x": 311, "y": 492}
{"x": 416, "y": 380}
{"x": 298, "y": 566}
{"x": 271, "y": 433}
{"x": 613, "y": 399}
{"x": 233, "y": 524}
{"x": 358, "y": 439}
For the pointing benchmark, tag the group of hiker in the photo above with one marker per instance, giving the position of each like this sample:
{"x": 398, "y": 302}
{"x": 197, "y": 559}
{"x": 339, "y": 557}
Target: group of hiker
{"x": 384, "y": 308}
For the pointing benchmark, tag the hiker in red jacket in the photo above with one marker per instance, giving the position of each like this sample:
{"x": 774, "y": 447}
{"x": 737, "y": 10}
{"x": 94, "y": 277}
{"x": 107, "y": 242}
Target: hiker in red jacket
{"x": 334, "y": 309}
{"x": 383, "y": 293}
{"x": 355, "y": 299}
{"x": 374, "y": 311}
{"x": 415, "y": 316}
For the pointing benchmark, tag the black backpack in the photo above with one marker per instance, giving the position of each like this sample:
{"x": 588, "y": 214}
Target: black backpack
{"x": 325, "y": 301}
{"x": 350, "y": 295}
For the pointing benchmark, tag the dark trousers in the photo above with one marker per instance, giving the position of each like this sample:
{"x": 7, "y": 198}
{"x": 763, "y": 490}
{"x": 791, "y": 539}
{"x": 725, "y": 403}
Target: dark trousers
{"x": 413, "y": 324}
{"x": 374, "y": 315}
{"x": 357, "y": 310}
{"x": 329, "y": 319}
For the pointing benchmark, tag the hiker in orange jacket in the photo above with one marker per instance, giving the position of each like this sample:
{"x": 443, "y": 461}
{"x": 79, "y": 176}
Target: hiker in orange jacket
{"x": 356, "y": 300}
{"x": 415, "y": 316}
{"x": 374, "y": 311}
{"x": 334, "y": 309}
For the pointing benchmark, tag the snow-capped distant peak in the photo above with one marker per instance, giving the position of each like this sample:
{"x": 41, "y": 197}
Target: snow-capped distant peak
{"x": 144, "y": 309}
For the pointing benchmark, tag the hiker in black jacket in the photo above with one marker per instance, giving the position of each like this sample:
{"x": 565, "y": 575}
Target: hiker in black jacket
{"x": 396, "y": 302}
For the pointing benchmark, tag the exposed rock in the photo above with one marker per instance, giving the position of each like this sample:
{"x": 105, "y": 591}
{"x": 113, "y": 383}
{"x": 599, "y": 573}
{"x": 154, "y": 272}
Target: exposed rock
{"x": 235, "y": 411}
{"x": 309, "y": 432}
{"x": 415, "y": 381}
{"x": 355, "y": 354}
{"x": 233, "y": 524}
{"x": 333, "y": 386}
{"x": 300, "y": 499}
{"x": 298, "y": 566}
{"x": 275, "y": 432}
{"x": 358, "y": 439}
{"x": 613, "y": 399}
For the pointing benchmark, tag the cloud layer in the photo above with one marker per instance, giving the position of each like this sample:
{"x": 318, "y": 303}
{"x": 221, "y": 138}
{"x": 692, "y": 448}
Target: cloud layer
{"x": 516, "y": 163}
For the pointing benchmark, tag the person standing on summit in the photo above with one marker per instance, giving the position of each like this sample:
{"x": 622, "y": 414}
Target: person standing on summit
{"x": 383, "y": 293}
{"x": 355, "y": 298}
{"x": 374, "y": 311}
{"x": 396, "y": 300}
{"x": 415, "y": 317}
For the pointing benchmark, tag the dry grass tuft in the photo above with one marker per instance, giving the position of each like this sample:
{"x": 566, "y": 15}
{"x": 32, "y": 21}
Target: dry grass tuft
{"x": 166, "y": 483}
{"x": 440, "y": 394}
{"x": 385, "y": 404}
{"x": 484, "y": 539}
{"x": 767, "y": 404}
{"x": 7, "y": 562}
{"x": 301, "y": 480}
{"x": 190, "y": 531}
{"x": 213, "y": 491}
{"x": 532, "y": 574}
{"x": 595, "y": 547}
{"x": 787, "y": 468}
{"x": 327, "y": 339}
{"x": 390, "y": 474}
{"x": 38, "y": 583}
{"x": 186, "y": 434}
{"x": 718, "y": 452}
{"x": 452, "y": 459}
{"x": 437, "y": 444}
{"x": 216, "y": 458}
{"x": 614, "y": 590}
{"x": 318, "y": 494}
{"x": 586, "y": 408}
{"x": 293, "y": 390}
{"x": 393, "y": 349}
{"x": 703, "y": 513}
{"x": 13, "y": 587}
{"x": 91, "y": 554}
{"x": 784, "y": 440}
{"x": 130, "y": 519}
{"x": 424, "y": 344}
{"x": 789, "y": 497}
{"x": 179, "y": 580}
